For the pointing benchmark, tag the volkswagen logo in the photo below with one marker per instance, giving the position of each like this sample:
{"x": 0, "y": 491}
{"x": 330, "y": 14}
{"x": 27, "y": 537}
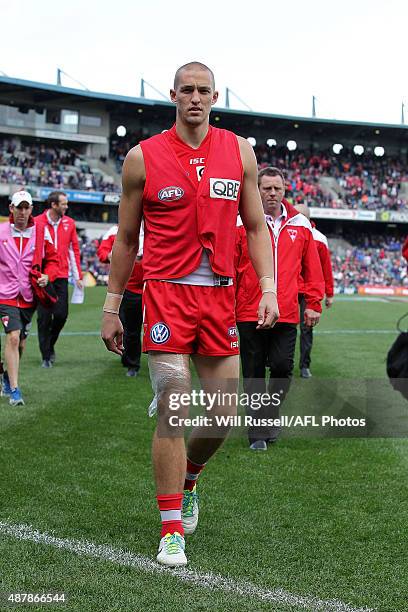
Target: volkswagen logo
{"x": 160, "y": 333}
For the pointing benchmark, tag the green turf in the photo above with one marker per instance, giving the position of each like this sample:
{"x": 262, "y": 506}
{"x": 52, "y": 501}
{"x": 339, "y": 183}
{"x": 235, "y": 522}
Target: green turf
{"x": 314, "y": 516}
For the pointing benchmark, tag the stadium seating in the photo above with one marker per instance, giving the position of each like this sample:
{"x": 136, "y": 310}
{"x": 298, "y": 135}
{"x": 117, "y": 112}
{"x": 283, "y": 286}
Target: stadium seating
{"x": 368, "y": 260}
{"x": 90, "y": 261}
{"x": 27, "y": 164}
{"x": 340, "y": 181}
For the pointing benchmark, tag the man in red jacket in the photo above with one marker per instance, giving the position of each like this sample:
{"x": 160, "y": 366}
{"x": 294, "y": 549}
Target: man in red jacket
{"x": 63, "y": 233}
{"x": 306, "y": 331}
{"x": 189, "y": 182}
{"x": 294, "y": 250}
{"x": 20, "y": 241}
{"x": 130, "y": 312}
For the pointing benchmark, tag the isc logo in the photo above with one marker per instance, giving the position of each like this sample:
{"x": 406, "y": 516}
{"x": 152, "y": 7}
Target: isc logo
{"x": 224, "y": 188}
{"x": 169, "y": 194}
{"x": 235, "y": 344}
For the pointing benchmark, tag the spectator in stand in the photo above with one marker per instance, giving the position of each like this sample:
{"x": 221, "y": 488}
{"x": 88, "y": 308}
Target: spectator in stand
{"x": 306, "y": 331}
{"x": 130, "y": 312}
{"x": 23, "y": 245}
{"x": 63, "y": 233}
{"x": 294, "y": 250}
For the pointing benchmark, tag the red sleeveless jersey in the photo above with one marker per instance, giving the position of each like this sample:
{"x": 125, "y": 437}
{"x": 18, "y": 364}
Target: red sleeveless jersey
{"x": 181, "y": 218}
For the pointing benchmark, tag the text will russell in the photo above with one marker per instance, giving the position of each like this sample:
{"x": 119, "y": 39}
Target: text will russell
{"x": 282, "y": 421}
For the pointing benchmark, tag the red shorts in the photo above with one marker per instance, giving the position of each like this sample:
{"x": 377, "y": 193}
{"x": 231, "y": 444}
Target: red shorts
{"x": 189, "y": 319}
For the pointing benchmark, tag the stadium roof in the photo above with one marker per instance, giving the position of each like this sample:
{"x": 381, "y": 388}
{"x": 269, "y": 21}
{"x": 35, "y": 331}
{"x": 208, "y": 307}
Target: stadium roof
{"x": 19, "y": 92}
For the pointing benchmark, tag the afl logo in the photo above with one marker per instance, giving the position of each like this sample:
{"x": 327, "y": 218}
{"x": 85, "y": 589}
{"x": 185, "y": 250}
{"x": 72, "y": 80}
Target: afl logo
{"x": 160, "y": 333}
{"x": 170, "y": 194}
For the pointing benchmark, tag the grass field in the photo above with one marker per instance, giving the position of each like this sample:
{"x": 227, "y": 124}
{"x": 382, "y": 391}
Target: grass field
{"x": 323, "y": 518}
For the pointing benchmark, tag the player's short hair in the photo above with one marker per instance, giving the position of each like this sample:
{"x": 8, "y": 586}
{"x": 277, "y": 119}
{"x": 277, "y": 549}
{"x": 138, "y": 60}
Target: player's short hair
{"x": 54, "y": 196}
{"x": 271, "y": 171}
{"x": 198, "y": 65}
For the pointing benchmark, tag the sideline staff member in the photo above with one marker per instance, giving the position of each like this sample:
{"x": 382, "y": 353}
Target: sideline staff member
{"x": 63, "y": 233}
{"x": 294, "y": 250}
{"x": 22, "y": 244}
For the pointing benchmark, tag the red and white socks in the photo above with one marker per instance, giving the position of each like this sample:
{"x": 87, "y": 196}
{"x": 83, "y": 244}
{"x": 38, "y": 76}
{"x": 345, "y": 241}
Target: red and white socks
{"x": 170, "y": 505}
{"x": 170, "y": 512}
{"x": 192, "y": 473}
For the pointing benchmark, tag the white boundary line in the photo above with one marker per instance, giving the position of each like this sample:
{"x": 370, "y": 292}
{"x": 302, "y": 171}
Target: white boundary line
{"x": 203, "y": 580}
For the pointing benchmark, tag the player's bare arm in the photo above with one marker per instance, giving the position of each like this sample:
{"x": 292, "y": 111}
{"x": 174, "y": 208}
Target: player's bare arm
{"x": 259, "y": 242}
{"x": 126, "y": 244}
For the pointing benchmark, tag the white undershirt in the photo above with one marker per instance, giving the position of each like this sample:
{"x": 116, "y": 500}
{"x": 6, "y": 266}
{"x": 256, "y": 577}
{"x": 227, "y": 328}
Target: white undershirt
{"x": 203, "y": 275}
{"x": 55, "y": 225}
{"x": 275, "y": 224}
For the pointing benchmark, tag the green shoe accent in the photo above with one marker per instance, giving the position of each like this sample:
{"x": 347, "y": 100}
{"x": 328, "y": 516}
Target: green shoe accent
{"x": 173, "y": 542}
{"x": 190, "y": 498}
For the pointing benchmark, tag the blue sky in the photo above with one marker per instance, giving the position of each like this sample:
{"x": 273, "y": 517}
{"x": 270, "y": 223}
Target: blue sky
{"x": 275, "y": 55}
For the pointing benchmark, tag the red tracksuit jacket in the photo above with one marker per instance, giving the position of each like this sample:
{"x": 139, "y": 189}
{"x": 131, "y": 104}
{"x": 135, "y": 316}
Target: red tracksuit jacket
{"x": 294, "y": 251}
{"x": 325, "y": 261}
{"x": 65, "y": 240}
{"x": 405, "y": 249}
{"x": 135, "y": 283}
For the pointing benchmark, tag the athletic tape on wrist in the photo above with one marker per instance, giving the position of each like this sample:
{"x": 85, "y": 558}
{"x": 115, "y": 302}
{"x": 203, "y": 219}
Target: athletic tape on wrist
{"x": 267, "y": 283}
{"x": 112, "y": 303}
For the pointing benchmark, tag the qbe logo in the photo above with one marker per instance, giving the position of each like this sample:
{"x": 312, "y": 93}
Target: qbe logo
{"x": 170, "y": 194}
{"x": 160, "y": 333}
{"x": 224, "y": 188}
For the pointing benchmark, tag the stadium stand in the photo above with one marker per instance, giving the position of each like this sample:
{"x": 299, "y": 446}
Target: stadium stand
{"x": 120, "y": 146}
{"x": 340, "y": 181}
{"x": 369, "y": 260}
{"x": 27, "y": 163}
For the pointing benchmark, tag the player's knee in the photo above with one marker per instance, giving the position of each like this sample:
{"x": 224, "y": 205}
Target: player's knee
{"x": 13, "y": 339}
{"x": 172, "y": 394}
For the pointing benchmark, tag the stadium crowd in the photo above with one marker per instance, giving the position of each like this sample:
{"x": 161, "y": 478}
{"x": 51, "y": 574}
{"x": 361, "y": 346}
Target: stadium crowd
{"x": 90, "y": 261}
{"x": 360, "y": 182}
{"x": 364, "y": 182}
{"x": 370, "y": 260}
{"x": 119, "y": 146}
{"x": 24, "y": 164}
